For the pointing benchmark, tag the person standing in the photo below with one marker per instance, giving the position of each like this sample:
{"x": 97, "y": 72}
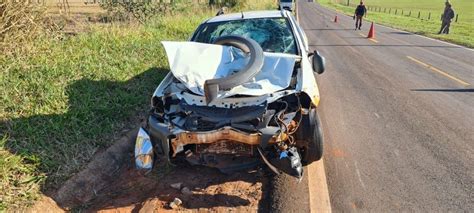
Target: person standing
{"x": 446, "y": 18}
{"x": 222, "y": 11}
{"x": 359, "y": 13}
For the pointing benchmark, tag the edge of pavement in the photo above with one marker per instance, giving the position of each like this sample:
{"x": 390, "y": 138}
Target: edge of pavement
{"x": 399, "y": 30}
{"x": 317, "y": 183}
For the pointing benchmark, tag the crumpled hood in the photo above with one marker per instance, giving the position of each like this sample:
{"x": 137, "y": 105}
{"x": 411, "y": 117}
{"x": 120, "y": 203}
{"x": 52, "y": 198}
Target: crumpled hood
{"x": 193, "y": 63}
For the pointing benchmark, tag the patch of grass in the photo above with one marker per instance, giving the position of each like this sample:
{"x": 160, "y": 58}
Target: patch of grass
{"x": 17, "y": 182}
{"x": 461, "y": 32}
{"x": 69, "y": 98}
{"x": 465, "y": 8}
{"x": 62, "y": 104}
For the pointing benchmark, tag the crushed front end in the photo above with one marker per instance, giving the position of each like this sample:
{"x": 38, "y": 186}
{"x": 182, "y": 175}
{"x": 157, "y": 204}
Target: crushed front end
{"x": 235, "y": 128}
{"x": 229, "y": 138}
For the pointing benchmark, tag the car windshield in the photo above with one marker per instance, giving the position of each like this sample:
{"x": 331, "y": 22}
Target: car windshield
{"x": 273, "y": 34}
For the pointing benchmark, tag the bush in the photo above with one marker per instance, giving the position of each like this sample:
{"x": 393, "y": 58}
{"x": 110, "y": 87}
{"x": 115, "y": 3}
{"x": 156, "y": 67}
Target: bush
{"x": 141, "y": 11}
{"x": 20, "y": 23}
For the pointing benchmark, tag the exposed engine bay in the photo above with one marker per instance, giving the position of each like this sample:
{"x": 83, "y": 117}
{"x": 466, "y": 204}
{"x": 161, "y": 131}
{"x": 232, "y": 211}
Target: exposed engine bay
{"x": 241, "y": 108}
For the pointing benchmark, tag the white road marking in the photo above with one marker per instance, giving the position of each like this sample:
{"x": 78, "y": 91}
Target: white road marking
{"x": 317, "y": 183}
{"x": 376, "y": 115}
{"x": 318, "y": 189}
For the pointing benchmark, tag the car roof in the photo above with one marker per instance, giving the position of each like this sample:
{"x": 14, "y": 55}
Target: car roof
{"x": 248, "y": 15}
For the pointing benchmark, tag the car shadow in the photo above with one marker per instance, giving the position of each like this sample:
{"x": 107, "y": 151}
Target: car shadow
{"x": 100, "y": 112}
{"x": 401, "y": 33}
{"x": 97, "y": 112}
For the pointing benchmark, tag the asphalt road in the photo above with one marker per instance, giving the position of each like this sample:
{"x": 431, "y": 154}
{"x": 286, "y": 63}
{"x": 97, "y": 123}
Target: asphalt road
{"x": 398, "y": 117}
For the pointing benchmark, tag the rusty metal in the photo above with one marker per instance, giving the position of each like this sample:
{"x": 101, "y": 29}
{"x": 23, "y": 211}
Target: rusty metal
{"x": 225, "y": 147}
{"x": 225, "y": 134}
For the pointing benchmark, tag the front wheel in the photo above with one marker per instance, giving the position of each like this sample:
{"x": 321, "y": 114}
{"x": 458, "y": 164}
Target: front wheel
{"x": 309, "y": 137}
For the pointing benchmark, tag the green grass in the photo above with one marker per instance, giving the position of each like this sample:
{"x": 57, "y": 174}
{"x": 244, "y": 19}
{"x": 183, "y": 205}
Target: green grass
{"x": 70, "y": 98}
{"x": 461, "y": 33}
{"x": 73, "y": 97}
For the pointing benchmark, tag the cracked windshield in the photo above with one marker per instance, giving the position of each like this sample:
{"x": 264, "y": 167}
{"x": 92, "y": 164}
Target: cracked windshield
{"x": 273, "y": 34}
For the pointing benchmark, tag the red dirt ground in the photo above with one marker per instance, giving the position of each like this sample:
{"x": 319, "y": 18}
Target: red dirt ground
{"x": 110, "y": 183}
{"x": 212, "y": 191}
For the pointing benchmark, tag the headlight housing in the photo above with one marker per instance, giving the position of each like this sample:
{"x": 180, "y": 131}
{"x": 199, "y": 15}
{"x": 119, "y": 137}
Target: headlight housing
{"x": 143, "y": 151}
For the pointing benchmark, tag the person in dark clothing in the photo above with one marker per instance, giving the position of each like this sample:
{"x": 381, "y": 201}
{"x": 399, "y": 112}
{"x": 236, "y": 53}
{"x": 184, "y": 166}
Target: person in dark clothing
{"x": 359, "y": 14}
{"x": 446, "y": 18}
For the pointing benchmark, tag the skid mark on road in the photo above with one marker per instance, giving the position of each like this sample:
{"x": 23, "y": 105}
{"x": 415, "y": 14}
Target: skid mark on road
{"x": 445, "y": 74}
{"x": 358, "y": 175}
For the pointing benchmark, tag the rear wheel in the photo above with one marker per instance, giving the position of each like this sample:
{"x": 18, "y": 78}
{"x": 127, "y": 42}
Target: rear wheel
{"x": 309, "y": 137}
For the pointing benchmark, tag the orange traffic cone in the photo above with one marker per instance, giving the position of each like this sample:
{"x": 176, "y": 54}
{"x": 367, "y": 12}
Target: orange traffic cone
{"x": 371, "y": 31}
{"x": 335, "y": 19}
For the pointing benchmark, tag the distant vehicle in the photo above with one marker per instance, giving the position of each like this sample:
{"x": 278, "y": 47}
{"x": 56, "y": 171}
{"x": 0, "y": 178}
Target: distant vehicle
{"x": 242, "y": 90}
{"x": 286, "y": 5}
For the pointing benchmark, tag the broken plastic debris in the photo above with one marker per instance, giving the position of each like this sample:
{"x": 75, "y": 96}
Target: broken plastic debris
{"x": 143, "y": 151}
{"x": 175, "y": 203}
{"x": 289, "y": 162}
{"x": 283, "y": 154}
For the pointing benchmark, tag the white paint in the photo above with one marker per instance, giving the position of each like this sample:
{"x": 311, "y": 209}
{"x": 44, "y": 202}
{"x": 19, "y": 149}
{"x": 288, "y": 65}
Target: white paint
{"x": 358, "y": 175}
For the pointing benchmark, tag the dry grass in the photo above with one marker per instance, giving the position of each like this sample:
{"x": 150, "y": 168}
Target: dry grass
{"x": 20, "y": 23}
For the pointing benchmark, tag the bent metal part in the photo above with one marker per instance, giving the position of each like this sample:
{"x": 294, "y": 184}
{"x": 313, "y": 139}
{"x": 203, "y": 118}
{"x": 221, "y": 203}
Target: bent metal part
{"x": 249, "y": 104}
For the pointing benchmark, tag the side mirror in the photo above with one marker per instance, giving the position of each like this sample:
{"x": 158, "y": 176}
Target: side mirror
{"x": 318, "y": 62}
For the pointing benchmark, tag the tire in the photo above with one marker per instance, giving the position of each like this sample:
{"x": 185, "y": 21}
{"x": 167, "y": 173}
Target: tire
{"x": 309, "y": 138}
{"x": 255, "y": 64}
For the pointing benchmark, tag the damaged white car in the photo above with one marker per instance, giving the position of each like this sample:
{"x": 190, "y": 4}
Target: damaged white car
{"x": 240, "y": 93}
